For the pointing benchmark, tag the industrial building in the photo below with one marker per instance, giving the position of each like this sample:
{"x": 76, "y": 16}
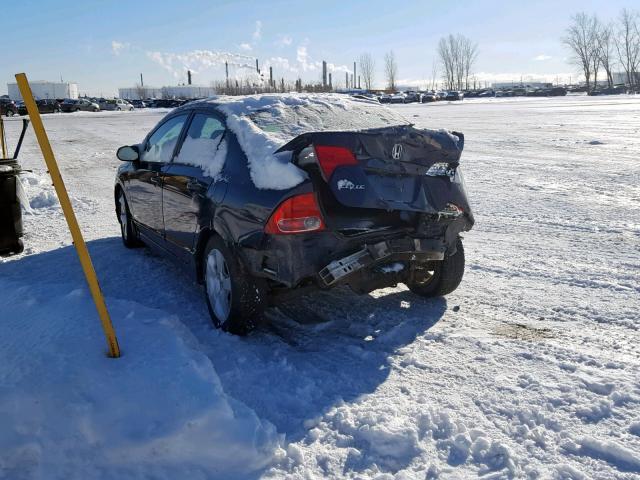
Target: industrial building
{"x": 179, "y": 91}
{"x": 43, "y": 89}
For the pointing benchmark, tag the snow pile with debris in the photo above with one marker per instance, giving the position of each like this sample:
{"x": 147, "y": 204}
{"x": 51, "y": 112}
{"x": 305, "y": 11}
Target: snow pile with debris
{"x": 264, "y": 123}
{"x": 529, "y": 370}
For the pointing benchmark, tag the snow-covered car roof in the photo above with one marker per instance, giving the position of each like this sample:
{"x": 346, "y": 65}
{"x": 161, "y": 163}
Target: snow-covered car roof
{"x": 264, "y": 123}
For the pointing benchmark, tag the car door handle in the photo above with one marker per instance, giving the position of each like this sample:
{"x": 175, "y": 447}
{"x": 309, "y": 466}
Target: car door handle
{"x": 195, "y": 187}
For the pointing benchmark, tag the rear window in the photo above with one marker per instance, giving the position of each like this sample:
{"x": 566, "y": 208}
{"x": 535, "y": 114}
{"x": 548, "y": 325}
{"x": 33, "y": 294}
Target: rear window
{"x": 289, "y": 121}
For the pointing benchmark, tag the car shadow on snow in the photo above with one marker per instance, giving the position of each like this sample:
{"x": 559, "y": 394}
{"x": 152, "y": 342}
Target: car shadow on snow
{"x": 312, "y": 355}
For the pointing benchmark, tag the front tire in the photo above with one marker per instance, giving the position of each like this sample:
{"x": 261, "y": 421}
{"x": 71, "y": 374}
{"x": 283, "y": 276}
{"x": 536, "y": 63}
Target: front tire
{"x": 127, "y": 229}
{"x": 235, "y": 299}
{"x": 445, "y": 277}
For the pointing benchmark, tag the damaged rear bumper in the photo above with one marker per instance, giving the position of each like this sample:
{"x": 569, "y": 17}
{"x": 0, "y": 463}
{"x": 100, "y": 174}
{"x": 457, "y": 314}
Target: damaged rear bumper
{"x": 327, "y": 259}
{"x": 416, "y": 249}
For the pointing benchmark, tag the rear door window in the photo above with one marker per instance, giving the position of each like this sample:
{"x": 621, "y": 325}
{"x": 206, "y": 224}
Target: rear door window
{"x": 204, "y": 145}
{"x": 161, "y": 145}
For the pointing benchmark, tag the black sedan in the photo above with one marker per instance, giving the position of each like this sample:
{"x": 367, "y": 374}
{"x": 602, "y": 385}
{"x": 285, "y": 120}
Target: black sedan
{"x": 8, "y": 107}
{"x": 44, "y": 106}
{"x": 269, "y": 195}
{"x": 81, "y": 105}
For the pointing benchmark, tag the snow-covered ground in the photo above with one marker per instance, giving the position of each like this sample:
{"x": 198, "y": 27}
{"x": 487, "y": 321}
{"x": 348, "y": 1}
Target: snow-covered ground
{"x": 530, "y": 370}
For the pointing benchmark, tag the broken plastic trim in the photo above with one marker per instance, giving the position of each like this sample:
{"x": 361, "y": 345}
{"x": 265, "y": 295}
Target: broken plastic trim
{"x": 442, "y": 169}
{"x": 339, "y": 269}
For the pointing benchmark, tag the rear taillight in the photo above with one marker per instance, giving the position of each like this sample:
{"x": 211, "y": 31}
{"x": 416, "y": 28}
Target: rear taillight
{"x": 331, "y": 158}
{"x": 296, "y": 215}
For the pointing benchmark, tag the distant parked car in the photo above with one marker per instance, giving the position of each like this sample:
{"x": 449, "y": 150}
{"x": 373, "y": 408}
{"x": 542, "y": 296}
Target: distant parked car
{"x": 398, "y": 98}
{"x": 116, "y": 104}
{"x": 47, "y": 105}
{"x": 428, "y": 98}
{"x": 410, "y": 97}
{"x": 167, "y": 103}
{"x": 452, "y": 96}
{"x": 8, "y": 107}
{"x": 384, "y": 98}
{"x": 616, "y": 90}
{"x": 138, "y": 103}
{"x": 70, "y": 105}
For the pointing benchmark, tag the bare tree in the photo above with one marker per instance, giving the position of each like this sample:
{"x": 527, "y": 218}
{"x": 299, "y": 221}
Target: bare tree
{"x": 390, "y": 69}
{"x": 447, "y": 61}
{"x": 581, "y": 39}
{"x": 434, "y": 75}
{"x": 596, "y": 56}
{"x": 469, "y": 53}
{"x": 605, "y": 50}
{"x": 458, "y": 55}
{"x": 627, "y": 43}
{"x": 367, "y": 69}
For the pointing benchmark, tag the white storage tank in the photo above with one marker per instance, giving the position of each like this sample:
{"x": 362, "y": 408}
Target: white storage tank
{"x": 43, "y": 89}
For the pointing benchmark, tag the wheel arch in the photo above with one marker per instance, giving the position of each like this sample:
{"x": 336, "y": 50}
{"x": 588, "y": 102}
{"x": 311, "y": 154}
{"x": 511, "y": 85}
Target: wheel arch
{"x": 216, "y": 228}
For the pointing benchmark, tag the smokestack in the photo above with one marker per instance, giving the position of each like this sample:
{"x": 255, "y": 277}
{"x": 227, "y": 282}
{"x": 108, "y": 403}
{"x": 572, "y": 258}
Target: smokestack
{"x": 271, "y": 84}
{"x": 354, "y": 74}
{"x": 257, "y": 66}
{"x": 358, "y": 81}
{"x": 330, "y": 87}
{"x": 141, "y": 81}
{"x": 346, "y": 80}
{"x": 324, "y": 73}
{"x": 188, "y": 77}
{"x": 226, "y": 72}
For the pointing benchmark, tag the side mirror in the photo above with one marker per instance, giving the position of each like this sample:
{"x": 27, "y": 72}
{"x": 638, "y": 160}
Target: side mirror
{"x": 128, "y": 153}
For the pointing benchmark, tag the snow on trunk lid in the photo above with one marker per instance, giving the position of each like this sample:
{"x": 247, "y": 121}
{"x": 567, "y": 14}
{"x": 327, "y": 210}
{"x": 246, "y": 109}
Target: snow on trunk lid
{"x": 264, "y": 123}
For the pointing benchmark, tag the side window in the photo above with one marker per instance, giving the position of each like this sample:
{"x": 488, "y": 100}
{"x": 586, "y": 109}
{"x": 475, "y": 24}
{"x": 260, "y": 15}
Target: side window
{"x": 204, "y": 145}
{"x": 162, "y": 143}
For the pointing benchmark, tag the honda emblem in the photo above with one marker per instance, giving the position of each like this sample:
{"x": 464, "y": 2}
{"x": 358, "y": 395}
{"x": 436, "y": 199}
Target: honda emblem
{"x": 396, "y": 152}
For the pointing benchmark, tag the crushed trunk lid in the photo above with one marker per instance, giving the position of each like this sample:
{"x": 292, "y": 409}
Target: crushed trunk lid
{"x": 397, "y": 168}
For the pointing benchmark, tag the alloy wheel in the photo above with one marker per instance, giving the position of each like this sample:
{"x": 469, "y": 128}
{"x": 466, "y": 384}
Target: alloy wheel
{"x": 124, "y": 220}
{"x": 218, "y": 285}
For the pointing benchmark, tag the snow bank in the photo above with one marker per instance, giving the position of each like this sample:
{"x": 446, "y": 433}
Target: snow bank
{"x": 68, "y": 411}
{"x": 264, "y": 123}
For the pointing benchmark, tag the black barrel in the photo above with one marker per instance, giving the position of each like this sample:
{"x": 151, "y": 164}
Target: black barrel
{"x": 10, "y": 211}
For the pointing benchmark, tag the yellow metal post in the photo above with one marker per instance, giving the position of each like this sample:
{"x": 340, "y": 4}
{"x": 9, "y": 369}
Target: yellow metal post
{"x": 3, "y": 140}
{"x": 65, "y": 203}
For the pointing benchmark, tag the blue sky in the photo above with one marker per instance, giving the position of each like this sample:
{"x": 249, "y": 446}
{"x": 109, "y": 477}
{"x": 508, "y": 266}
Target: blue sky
{"x": 103, "y": 45}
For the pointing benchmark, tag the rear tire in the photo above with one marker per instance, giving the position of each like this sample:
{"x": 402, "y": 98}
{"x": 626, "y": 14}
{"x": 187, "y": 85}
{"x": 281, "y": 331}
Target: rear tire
{"x": 235, "y": 299}
{"x": 127, "y": 229}
{"x": 445, "y": 278}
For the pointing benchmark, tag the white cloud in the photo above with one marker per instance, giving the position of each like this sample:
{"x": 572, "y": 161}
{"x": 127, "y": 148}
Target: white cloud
{"x": 245, "y": 46}
{"x": 284, "y": 40}
{"x": 301, "y": 54}
{"x": 118, "y": 47}
{"x": 542, "y": 57}
{"x": 199, "y": 60}
{"x": 257, "y": 33}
